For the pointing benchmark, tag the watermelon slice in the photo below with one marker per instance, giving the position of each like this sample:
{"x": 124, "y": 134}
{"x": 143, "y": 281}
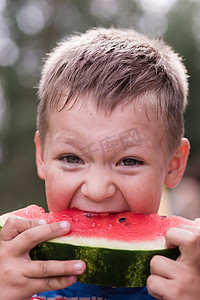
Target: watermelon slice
{"x": 116, "y": 247}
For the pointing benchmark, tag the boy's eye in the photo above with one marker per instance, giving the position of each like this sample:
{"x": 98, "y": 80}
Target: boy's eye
{"x": 129, "y": 162}
{"x": 71, "y": 159}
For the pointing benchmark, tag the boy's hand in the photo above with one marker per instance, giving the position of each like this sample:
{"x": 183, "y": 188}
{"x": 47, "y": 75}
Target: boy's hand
{"x": 180, "y": 279}
{"x": 20, "y": 277}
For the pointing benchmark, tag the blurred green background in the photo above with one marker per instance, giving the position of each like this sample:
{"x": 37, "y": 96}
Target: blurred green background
{"x": 30, "y": 28}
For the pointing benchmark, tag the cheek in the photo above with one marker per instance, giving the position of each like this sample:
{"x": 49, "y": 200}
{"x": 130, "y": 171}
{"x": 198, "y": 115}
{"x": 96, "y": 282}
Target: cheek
{"x": 60, "y": 191}
{"x": 143, "y": 195}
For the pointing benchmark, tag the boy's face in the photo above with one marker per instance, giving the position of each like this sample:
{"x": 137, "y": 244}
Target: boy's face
{"x": 103, "y": 163}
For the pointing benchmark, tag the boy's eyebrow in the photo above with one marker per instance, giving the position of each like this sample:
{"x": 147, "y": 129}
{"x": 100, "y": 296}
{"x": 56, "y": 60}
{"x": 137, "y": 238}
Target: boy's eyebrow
{"x": 106, "y": 145}
{"x": 69, "y": 140}
{"x": 84, "y": 148}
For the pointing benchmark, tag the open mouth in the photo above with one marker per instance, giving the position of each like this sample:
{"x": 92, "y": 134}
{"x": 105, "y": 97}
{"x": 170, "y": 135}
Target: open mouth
{"x": 90, "y": 214}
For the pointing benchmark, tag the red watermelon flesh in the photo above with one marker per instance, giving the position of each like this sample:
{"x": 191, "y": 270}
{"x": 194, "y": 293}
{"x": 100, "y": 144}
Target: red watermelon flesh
{"x": 116, "y": 247}
{"x": 124, "y": 226}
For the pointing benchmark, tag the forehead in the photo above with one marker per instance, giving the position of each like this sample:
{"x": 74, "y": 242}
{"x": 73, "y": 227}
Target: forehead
{"x": 88, "y": 103}
{"x": 127, "y": 117}
{"x": 148, "y": 102}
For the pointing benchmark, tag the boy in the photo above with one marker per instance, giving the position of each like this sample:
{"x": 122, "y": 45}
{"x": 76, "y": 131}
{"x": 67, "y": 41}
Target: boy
{"x": 110, "y": 136}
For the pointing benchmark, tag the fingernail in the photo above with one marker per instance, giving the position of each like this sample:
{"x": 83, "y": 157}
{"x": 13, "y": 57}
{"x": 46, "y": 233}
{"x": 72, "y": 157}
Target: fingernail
{"x": 42, "y": 222}
{"x": 78, "y": 267}
{"x": 64, "y": 225}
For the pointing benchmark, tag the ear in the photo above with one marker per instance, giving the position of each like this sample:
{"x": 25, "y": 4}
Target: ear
{"x": 39, "y": 156}
{"x": 177, "y": 164}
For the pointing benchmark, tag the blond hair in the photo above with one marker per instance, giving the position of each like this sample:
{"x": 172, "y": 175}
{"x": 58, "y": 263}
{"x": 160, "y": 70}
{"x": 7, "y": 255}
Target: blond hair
{"x": 116, "y": 65}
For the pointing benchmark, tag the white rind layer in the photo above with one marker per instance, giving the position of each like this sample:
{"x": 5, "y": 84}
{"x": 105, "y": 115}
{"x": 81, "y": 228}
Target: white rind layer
{"x": 156, "y": 244}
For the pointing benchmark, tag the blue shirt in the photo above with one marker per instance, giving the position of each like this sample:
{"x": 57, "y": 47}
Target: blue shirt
{"x": 81, "y": 291}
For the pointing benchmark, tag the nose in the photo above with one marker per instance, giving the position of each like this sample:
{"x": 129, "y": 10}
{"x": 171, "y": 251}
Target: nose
{"x": 98, "y": 185}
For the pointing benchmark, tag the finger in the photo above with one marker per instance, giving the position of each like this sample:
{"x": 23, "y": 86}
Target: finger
{"x": 163, "y": 266}
{"x": 190, "y": 228}
{"x": 34, "y": 236}
{"x": 158, "y": 286}
{"x": 15, "y": 225}
{"x": 39, "y": 269}
{"x": 188, "y": 242}
{"x": 52, "y": 283}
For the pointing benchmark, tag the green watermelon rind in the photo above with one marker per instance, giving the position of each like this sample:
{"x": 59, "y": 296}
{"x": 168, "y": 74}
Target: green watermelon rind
{"x": 108, "y": 263}
{"x": 107, "y": 267}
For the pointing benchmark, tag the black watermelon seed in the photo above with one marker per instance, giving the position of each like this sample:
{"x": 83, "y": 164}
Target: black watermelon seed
{"x": 121, "y": 220}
